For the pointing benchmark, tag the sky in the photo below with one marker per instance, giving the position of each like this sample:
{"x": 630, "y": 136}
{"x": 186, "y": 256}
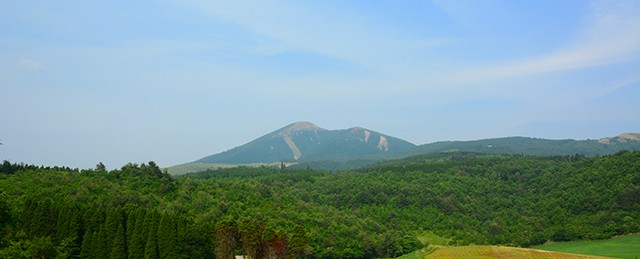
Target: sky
{"x": 83, "y": 82}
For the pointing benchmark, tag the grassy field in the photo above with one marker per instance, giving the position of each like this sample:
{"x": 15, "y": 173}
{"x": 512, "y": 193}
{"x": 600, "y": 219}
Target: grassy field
{"x": 497, "y": 252}
{"x": 618, "y": 247}
{"x": 437, "y": 247}
{"x": 479, "y": 252}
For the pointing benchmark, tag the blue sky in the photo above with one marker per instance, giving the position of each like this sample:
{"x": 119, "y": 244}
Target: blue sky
{"x": 84, "y": 82}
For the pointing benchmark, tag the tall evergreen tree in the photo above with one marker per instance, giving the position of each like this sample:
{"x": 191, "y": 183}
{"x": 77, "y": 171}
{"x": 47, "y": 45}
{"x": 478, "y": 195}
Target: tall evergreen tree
{"x": 167, "y": 237}
{"x": 151, "y": 246}
{"x": 139, "y": 236}
{"x": 98, "y": 244}
{"x": 6, "y": 219}
{"x": 114, "y": 219}
{"x": 85, "y": 249}
{"x": 131, "y": 216}
{"x": 43, "y": 222}
{"x": 119, "y": 246}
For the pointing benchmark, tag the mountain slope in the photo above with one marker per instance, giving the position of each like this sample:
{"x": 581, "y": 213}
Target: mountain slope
{"x": 534, "y": 146}
{"x": 304, "y": 141}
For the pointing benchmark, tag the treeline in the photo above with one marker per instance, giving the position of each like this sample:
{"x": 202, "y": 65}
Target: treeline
{"x": 140, "y": 211}
{"x": 100, "y": 214}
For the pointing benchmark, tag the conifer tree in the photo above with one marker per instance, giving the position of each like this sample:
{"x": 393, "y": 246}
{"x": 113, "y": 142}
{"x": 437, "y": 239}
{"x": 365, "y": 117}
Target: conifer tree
{"x": 74, "y": 228}
{"x": 119, "y": 246}
{"x": 98, "y": 244}
{"x": 131, "y": 216}
{"x": 62, "y": 224}
{"x": 139, "y": 236}
{"x": 5, "y": 218}
{"x": 85, "y": 249}
{"x": 151, "y": 246}
{"x": 167, "y": 239}
{"x": 43, "y": 217}
{"x": 114, "y": 219}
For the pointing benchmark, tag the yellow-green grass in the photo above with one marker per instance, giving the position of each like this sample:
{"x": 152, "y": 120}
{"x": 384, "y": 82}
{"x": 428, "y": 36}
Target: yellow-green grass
{"x": 195, "y": 167}
{"x": 497, "y": 252}
{"x": 618, "y": 247}
{"x": 428, "y": 238}
{"x": 199, "y": 167}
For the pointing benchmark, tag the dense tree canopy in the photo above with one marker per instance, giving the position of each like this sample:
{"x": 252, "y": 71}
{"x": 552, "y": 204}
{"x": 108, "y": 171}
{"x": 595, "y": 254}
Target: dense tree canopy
{"x": 140, "y": 211}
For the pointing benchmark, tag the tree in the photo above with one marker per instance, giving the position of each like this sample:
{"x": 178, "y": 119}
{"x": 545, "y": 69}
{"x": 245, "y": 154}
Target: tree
{"x": 139, "y": 235}
{"x": 151, "y": 246}
{"x": 101, "y": 168}
{"x": 85, "y": 249}
{"x": 250, "y": 231}
{"x": 114, "y": 219}
{"x": 167, "y": 239}
{"x": 6, "y": 218}
{"x": 299, "y": 244}
{"x": 119, "y": 246}
{"x": 41, "y": 247}
{"x": 98, "y": 244}
{"x": 275, "y": 243}
{"x": 226, "y": 239}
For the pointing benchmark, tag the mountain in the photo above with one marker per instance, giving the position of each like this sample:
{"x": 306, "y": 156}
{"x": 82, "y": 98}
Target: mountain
{"x": 305, "y": 145}
{"x": 304, "y": 141}
{"x": 534, "y": 146}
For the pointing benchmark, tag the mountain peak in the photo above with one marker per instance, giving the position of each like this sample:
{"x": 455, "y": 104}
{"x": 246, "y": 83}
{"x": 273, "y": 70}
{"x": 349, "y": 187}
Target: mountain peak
{"x": 622, "y": 138}
{"x": 305, "y": 141}
{"x": 302, "y": 126}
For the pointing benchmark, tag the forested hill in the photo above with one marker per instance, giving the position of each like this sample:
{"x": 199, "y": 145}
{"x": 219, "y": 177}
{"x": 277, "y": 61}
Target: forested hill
{"x": 306, "y": 145}
{"x": 534, "y": 146}
{"x": 139, "y": 211}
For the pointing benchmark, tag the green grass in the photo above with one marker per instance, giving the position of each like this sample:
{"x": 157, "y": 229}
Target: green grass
{"x": 412, "y": 255}
{"x": 430, "y": 239}
{"x": 479, "y": 252}
{"x": 618, "y": 247}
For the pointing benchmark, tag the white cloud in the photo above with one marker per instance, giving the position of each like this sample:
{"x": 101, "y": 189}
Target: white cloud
{"x": 29, "y": 64}
{"x": 611, "y": 35}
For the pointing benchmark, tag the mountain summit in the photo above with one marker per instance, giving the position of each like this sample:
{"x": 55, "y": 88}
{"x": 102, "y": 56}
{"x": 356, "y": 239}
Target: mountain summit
{"x": 305, "y": 141}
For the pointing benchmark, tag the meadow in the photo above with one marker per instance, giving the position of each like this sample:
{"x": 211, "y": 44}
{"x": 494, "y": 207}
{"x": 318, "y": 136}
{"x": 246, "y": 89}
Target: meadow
{"x": 619, "y": 247}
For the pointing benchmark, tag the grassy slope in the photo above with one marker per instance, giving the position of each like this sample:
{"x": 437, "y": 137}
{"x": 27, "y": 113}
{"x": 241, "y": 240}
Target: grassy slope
{"x": 620, "y": 247}
{"x": 497, "y": 252}
{"x": 437, "y": 248}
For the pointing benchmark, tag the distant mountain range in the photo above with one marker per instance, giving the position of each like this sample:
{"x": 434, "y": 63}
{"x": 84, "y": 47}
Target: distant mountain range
{"x": 303, "y": 144}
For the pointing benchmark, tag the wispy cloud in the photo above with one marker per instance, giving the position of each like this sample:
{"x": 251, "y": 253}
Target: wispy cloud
{"x": 29, "y": 64}
{"x": 320, "y": 28}
{"x": 611, "y": 35}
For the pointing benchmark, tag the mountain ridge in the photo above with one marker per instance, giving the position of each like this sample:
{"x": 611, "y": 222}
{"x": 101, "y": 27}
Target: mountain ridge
{"x": 305, "y": 145}
{"x": 305, "y": 141}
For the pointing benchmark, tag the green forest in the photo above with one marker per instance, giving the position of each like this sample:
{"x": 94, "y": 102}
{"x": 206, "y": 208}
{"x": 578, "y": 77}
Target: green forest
{"x": 140, "y": 211}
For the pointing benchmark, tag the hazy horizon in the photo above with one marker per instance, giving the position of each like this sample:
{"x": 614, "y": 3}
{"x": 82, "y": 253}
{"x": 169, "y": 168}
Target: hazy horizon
{"x": 174, "y": 81}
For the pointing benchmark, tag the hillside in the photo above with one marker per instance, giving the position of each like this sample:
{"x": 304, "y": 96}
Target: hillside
{"x": 534, "y": 146}
{"x": 304, "y": 141}
{"x": 305, "y": 145}
{"x": 465, "y": 198}
{"x": 488, "y": 252}
{"x": 627, "y": 247}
